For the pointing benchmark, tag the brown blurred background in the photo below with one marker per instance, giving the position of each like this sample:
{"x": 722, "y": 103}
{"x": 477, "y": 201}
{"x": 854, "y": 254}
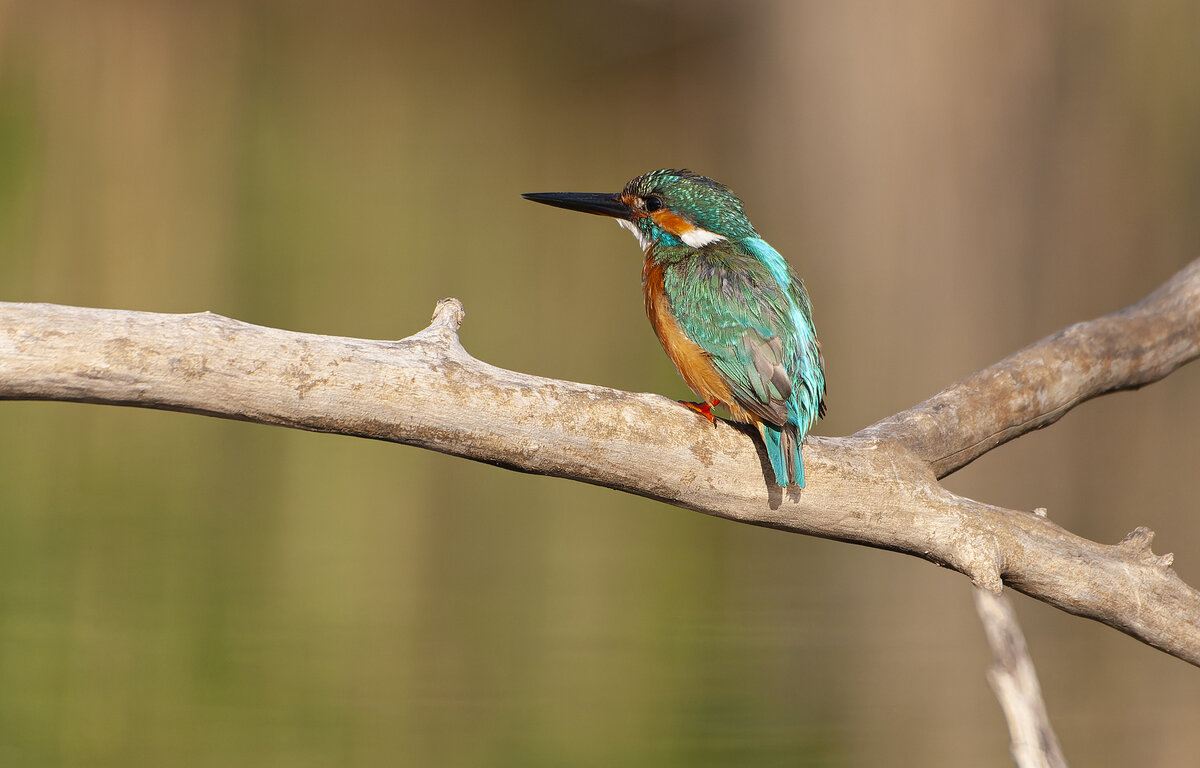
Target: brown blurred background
{"x": 954, "y": 181}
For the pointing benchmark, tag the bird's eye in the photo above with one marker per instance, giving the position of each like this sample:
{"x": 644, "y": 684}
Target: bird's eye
{"x": 653, "y": 203}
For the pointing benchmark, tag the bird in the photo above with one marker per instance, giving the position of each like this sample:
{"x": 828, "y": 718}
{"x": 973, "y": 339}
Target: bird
{"x": 729, "y": 311}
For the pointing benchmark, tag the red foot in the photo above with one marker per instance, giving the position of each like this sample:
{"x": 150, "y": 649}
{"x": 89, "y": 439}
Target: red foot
{"x": 704, "y": 409}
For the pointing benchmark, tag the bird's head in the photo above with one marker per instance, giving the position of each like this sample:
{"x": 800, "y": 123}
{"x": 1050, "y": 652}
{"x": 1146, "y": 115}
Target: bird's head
{"x": 666, "y": 208}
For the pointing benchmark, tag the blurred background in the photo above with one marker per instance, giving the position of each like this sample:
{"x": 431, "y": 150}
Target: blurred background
{"x": 953, "y": 180}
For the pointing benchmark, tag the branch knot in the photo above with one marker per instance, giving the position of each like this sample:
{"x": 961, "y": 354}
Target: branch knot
{"x": 448, "y": 314}
{"x": 1136, "y": 545}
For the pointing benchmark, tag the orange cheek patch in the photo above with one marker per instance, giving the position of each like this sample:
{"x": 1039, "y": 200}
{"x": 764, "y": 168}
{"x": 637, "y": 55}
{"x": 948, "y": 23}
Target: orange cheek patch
{"x": 672, "y": 222}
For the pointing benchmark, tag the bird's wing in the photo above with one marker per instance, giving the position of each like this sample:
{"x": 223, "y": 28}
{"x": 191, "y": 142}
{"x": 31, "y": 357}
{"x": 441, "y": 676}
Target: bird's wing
{"x": 732, "y": 306}
{"x": 807, "y": 362}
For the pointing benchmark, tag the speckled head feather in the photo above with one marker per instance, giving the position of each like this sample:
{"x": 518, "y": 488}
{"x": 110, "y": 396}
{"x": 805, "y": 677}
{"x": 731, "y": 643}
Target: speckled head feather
{"x": 701, "y": 201}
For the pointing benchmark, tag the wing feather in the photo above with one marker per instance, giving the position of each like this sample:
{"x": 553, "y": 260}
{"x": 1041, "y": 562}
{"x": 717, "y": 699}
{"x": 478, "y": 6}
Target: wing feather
{"x": 736, "y": 309}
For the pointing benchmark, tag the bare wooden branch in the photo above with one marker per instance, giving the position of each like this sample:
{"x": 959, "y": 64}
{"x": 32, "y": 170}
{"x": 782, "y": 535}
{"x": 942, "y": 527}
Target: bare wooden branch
{"x": 877, "y": 488}
{"x": 1035, "y": 387}
{"x": 1015, "y": 683}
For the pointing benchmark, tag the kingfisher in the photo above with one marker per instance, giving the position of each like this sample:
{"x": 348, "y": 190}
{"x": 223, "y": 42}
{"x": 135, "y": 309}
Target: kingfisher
{"x": 727, "y": 308}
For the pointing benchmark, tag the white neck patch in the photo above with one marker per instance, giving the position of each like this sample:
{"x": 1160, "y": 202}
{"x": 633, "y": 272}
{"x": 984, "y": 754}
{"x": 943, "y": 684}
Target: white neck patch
{"x": 698, "y": 238}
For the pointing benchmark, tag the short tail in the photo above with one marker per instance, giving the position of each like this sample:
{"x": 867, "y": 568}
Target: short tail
{"x": 783, "y": 449}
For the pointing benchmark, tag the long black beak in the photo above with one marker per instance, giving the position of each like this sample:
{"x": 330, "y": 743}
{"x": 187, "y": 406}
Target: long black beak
{"x": 599, "y": 203}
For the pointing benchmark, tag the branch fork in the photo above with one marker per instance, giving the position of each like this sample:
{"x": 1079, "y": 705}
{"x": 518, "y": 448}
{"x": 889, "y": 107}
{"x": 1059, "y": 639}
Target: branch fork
{"x": 878, "y": 487}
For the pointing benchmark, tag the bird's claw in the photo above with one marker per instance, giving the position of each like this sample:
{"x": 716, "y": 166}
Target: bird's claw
{"x": 704, "y": 409}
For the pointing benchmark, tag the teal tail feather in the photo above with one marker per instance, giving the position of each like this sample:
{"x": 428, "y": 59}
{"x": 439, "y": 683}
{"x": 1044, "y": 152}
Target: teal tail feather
{"x": 783, "y": 449}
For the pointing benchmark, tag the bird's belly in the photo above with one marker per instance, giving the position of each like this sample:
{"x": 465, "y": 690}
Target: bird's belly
{"x": 692, "y": 362}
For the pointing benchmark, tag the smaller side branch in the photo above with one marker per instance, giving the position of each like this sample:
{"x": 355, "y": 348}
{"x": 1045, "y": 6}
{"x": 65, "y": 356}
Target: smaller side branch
{"x": 1015, "y": 683}
{"x": 1036, "y": 386}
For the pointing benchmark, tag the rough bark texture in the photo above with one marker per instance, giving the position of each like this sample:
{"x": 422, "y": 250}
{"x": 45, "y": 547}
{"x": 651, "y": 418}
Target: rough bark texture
{"x": 878, "y": 487}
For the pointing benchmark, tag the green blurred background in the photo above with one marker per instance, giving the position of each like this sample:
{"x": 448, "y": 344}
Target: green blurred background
{"x": 954, "y": 180}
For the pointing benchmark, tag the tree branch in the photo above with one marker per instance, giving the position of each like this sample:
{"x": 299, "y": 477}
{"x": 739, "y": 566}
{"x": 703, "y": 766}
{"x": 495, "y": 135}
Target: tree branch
{"x": 1035, "y": 387}
{"x": 878, "y": 487}
{"x": 1015, "y": 683}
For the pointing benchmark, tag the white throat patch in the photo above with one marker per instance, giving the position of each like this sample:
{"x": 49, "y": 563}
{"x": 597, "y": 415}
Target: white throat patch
{"x": 641, "y": 237}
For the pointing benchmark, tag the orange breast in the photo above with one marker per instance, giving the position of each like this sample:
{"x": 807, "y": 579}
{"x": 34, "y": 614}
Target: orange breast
{"x": 690, "y": 360}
